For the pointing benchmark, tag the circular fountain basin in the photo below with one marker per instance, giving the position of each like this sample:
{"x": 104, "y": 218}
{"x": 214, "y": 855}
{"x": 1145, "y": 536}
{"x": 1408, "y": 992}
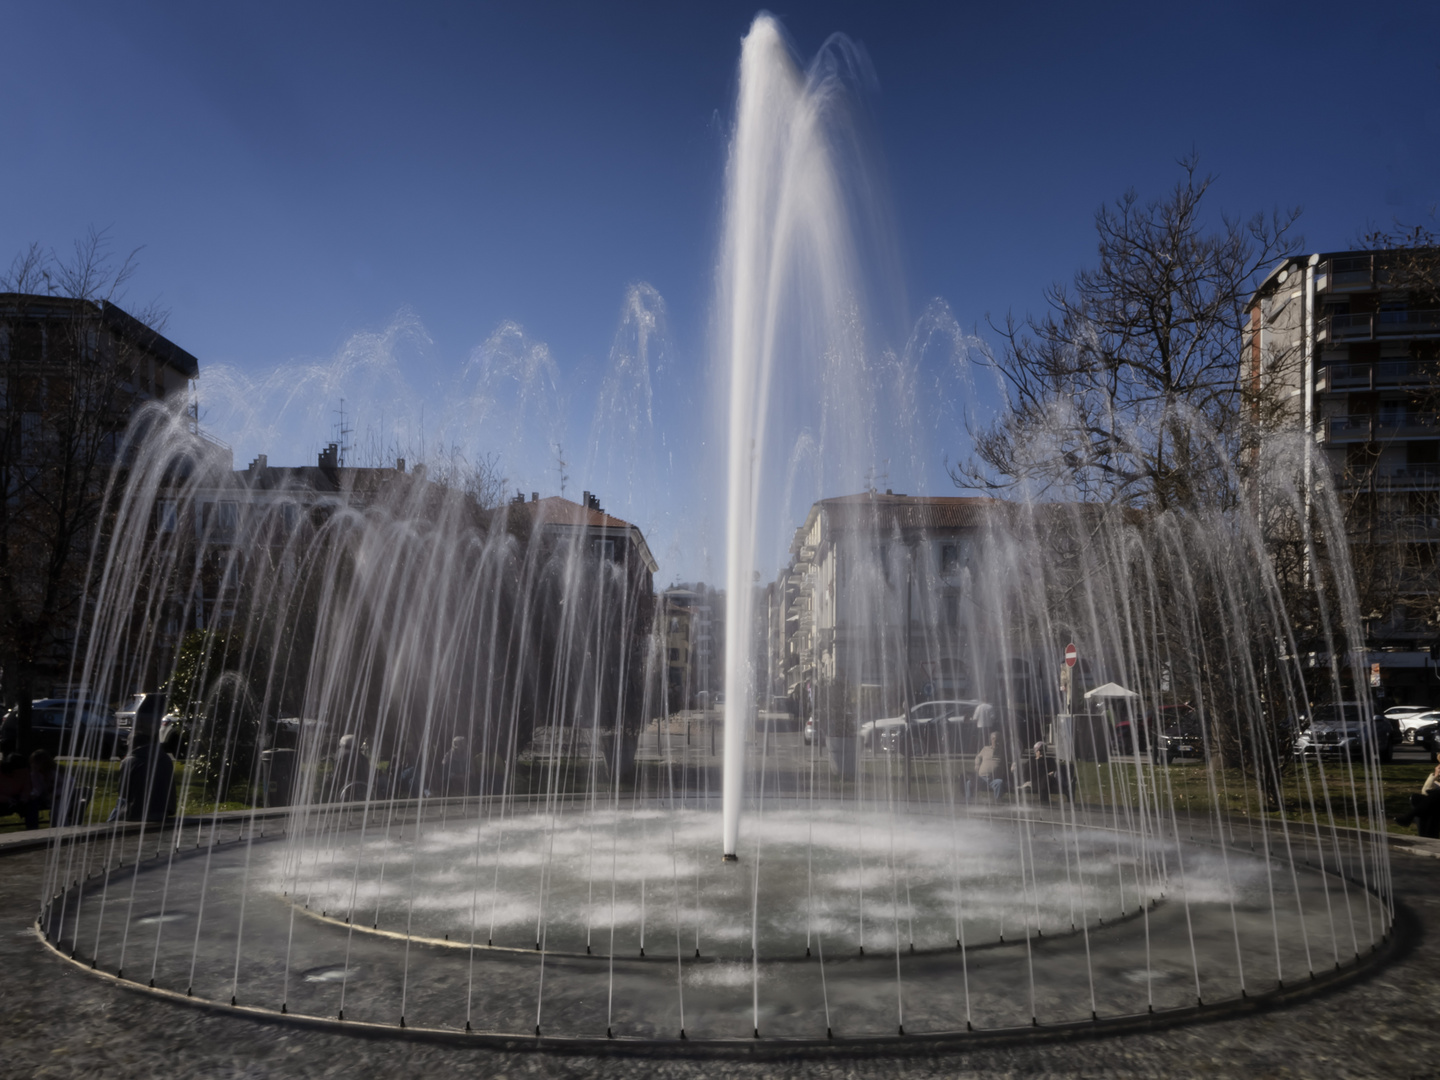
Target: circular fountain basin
{"x": 835, "y": 922}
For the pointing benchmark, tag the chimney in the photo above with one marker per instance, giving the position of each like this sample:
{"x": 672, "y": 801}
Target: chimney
{"x": 519, "y": 499}
{"x": 585, "y": 498}
{"x": 534, "y": 496}
{"x": 399, "y": 464}
{"x": 330, "y": 457}
{"x": 260, "y": 464}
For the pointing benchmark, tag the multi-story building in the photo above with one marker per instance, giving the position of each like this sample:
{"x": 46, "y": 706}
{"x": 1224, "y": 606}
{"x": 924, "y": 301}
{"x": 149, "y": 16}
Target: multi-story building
{"x": 1353, "y": 347}
{"x": 73, "y": 375}
{"x": 694, "y": 666}
{"x": 873, "y": 595}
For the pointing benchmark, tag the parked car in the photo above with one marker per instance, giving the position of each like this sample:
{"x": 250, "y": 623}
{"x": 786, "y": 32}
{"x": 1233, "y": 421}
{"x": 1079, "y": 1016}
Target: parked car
{"x": 1346, "y": 730}
{"x": 1398, "y": 713}
{"x": 52, "y": 728}
{"x": 777, "y": 714}
{"x": 1411, "y": 722}
{"x": 809, "y": 731}
{"x": 145, "y": 708}
{"x": 932, "y": 727}
{"x": 1181, "y": 734}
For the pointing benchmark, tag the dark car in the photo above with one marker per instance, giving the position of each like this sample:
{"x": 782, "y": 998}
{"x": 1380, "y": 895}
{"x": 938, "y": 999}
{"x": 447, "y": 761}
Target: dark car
{"x": 63, "y": 726}
{"x": 778, "y": 713}
{"x": 1347, "y": 730}
{"x": 148, "y": 709}
{"x": 1181, "y": 734}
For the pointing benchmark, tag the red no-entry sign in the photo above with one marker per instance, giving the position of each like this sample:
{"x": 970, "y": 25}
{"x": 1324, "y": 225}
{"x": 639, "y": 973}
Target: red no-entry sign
{"x": 1071, "y": 654}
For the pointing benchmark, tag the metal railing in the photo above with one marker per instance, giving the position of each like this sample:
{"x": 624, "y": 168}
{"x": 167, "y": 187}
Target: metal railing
{"x": 1371, "y": 325}
{"x": 1403, "y": 478}
{"x": 1372, "y": 376}
{"x": 1365, "y": 428}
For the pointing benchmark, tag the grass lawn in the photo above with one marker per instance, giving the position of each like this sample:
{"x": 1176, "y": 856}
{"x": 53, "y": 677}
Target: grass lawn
{"x": 1193, "y": 787}
{"x": 104, "y": 778}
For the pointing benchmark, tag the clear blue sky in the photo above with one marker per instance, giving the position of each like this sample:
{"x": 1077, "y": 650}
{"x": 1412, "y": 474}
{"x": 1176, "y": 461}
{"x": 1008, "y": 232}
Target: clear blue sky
{"x": 301, "y": 174}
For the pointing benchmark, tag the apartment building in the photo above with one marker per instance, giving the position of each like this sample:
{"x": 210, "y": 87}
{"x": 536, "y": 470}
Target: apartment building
{"x": 1351, "y": 339}
{"x": 873, "y": 595}
{"x": 692, "y": 628}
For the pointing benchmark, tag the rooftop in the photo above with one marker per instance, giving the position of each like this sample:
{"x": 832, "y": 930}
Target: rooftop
{"x": 118, "y": 321}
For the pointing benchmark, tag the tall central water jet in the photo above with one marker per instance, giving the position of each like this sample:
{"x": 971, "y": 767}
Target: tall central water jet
{"x": 787, "y": 299}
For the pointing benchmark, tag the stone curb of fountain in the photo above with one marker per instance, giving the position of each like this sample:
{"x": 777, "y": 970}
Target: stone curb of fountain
{"x": 1403, "y": 934}
{"x": 1406, "y": 931}
{"x": 662, "y": 958}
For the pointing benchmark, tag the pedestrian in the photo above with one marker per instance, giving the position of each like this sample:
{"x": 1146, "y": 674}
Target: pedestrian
{"x": 42, "y": 788}
{"x": 1425, "y": 807}
{"x": 147, "y": 777}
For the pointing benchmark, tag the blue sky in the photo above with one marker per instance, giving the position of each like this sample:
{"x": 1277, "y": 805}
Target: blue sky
{"x": 421, "y": 175}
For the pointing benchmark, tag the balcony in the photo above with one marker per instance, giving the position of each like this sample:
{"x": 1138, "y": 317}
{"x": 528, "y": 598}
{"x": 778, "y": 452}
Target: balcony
{"x": 1409, "y": 529}
{"x": 1405, "y": 478}
{"x": 1357, "y": 273}
{"x": 1379, "y": 326}
{"x": 1387, "y": 427}
{"x": 1383, "y": 375}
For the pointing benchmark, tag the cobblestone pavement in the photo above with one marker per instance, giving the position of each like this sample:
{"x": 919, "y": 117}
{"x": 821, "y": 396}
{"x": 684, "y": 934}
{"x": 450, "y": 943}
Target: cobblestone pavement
{"x": 56, "y": 1021}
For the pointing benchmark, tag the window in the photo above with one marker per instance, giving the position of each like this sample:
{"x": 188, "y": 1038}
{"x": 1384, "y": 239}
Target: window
{"x": 219, "y": 519}
{"x": 674, "y": 656}
{"x": 165, "y": 515}
{"x": 949, "y": 558}
{"x": 951, "y": 603}
{"x": 604, "y": 548}
{"x": 1393, "y": 311}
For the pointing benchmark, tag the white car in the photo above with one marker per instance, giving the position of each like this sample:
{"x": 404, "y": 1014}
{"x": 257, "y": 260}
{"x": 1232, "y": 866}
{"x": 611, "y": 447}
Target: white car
{"x": 1399, "y": 712}
{"x": 882, "y": 734}
{"x": 1410, "y": 722}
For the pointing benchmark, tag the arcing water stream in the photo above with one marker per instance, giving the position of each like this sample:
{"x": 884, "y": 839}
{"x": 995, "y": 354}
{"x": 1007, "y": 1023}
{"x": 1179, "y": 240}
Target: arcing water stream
{"x": 491, "y": 820}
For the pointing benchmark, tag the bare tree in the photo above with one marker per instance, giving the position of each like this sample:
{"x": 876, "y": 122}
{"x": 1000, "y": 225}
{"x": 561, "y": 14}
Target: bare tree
{"x": 1128, "y": 391}
{"x": 69, "y": 365}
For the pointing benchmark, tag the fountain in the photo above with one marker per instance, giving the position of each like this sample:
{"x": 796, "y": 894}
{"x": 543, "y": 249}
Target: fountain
{"x": 483, "y": 824}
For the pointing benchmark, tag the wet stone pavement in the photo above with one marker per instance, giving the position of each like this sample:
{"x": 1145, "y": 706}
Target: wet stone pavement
{"x": 58, "y": 1021}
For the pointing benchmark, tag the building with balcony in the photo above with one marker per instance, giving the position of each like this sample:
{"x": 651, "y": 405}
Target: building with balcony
{"x": 874, "y": 595}
{"x": 1351, "y": 340}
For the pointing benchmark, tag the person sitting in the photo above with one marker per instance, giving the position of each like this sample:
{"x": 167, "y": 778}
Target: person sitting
{"x": 989, "y": 769}
{"x": 42, "y": 788}
{"x": 14, "y": 785}
{"x": 455, "y": 768}
{"x": 1036, "y": 774}
{"x": 1425, "y": 807}
{"x": 147, "y": 779}
{"x": 350, "y": 778}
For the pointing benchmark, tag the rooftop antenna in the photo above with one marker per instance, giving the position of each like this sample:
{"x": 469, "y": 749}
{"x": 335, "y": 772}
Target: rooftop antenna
{"x": 560, "y": 466}
{"x": 341, "y": 434}
{"x": 872, "y": 474}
